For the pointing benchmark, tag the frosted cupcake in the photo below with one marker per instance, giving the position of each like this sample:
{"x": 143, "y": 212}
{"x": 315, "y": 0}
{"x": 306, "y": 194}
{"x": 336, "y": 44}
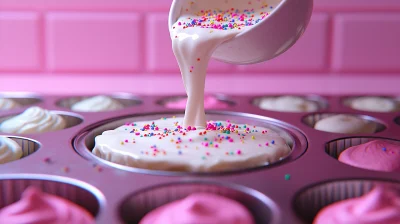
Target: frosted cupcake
{"x": 374, "y": 155}
{"x": 8, "y": 104}
{"x": 380, "y": 206}
{"x": 374, "y": 104}
{"x": 36, "y": 207}
{"x": 97, "y": 104}
{"x": 9, "y": 150}
{"x": 287, "y": 104}
{"x": 33, "y": 120}
{"x": 202, "y": 208}
{"x": 346, "y": 124}
{"x": 165, "y": 145}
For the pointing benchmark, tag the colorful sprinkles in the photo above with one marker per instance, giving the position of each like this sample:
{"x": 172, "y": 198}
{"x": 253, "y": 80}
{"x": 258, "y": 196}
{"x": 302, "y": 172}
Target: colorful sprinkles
{"x": 211, "y": 138}
{"x": 229, "y": 19}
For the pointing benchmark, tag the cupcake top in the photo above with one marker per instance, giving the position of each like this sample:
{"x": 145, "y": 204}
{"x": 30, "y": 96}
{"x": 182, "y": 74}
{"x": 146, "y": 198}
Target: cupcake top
{"x": 202, "y": 208}
{"x": 288, "y": 104}
{"x": 374, "y": 104}
{"x": 165, "y": 145}
{"x": 346, "y": 124}
{"x": 8, "y": 104}
{"x": 33, "y": 120}
{"x": 36, "y": 207}
{"x": 210, "y": 102}
{"x": 380, "y": 206}
{"x": 9, "y": 150}
{"x": 374, "y": 155}
{"x": 97, "y": 104}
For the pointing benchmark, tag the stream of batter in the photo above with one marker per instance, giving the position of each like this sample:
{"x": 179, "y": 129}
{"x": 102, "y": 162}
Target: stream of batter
{"x": 202, "y": 26}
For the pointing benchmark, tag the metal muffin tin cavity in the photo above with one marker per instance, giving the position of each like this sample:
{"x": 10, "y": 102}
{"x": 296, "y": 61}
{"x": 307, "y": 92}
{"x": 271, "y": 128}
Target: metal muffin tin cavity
{"x": 273, "y": 193}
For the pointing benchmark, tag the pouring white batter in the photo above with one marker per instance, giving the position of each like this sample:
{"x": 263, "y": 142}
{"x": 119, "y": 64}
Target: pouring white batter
{"x": 203, "y": 25}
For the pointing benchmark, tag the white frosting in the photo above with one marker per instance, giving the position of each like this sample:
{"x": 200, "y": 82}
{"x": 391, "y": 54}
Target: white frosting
{"x": 345, "y": 124}
{"x": 374, "y": 104}
{"x": 97, "y": 104}
{"x": 194, "y": 45}
{"x": 288, "y": 104}
{"x": 8, "y": 104}
{"x": 9, "y": 150}
{"x": 177, "y": 149}
{"x": 33, "y": 120}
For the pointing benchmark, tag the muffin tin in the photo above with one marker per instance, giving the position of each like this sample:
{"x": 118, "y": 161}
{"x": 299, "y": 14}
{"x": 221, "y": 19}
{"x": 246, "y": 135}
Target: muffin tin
{"x": 290, "y": 191}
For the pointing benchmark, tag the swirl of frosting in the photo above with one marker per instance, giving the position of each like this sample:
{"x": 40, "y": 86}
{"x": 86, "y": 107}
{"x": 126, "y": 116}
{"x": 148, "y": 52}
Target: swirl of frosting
{"x": 288, "y": 104}
{"x": 36, "y": 207}
{"x": 374, "y": 104}
{"x": 380, "y": 206}
{"x": 210, "y": 102}
{"x": 374, "y": 155}
{"x": 202, "y": 208}
{"x": 33, "y": 120}
{"x": 8, "y": 104}
{"x": 97, "y": 104}
{"x": 9, "y": 150}
{"x": 346, "y": 124}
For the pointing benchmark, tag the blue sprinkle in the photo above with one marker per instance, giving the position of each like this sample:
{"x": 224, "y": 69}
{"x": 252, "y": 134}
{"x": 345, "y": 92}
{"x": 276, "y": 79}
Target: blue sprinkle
{"x": 384, "y": 149}
{"x": 273, "y": 142}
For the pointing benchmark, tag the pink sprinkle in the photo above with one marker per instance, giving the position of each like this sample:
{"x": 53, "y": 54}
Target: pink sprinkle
{"x": 267, "y": 144}
{"x": 189, "y": 128}
{"x": 239, "y": 152}
{"x": 137, "y": 133}
{"x": 190, "y": 139}
{"x": 230, "y": 140}
{"x": 216, "y": 145}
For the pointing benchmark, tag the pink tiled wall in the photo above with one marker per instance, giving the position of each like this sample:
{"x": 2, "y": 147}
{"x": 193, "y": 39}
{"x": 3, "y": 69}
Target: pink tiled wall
{"x": 131, "y": 36}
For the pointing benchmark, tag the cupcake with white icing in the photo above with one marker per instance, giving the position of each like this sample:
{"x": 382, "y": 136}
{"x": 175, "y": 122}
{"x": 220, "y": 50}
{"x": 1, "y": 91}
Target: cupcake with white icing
{"x": 97, "y": 104}
{"x": 346, "y": 124}
{"x": 374, "y": 104}
{"x": 9, "y": 150}
{"x": 165, "y": 145}
{"x": 8, "y": 104}
{"x": 288, "y": 104}
{"x": 33, "y": 120}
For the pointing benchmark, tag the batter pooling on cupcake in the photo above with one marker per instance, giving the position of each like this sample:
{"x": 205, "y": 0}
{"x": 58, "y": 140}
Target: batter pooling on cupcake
{"x": 201, "y": 28}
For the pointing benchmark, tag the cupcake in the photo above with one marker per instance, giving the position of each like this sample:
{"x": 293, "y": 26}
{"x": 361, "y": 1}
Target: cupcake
{"x": 36, "y": 207}
{"x": 288, "y": 104}
{"x": 33, "y": 120}
{"x": 210, "y": 102}
{"x": 9, "y": 150}
{"x": 346, "y": 124}
{"x": 202, "y": 208}
{"x": 97, "y": 104}
{"x": 165, "y": 145}
{"x": 8, "y": 104}
{"x": 380, "y": 206}
{"x": 376, "y": 155}
{"x": 374, "y": 104}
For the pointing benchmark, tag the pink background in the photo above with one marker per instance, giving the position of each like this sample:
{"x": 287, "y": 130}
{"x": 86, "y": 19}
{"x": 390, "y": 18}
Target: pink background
{"x": 92, "y": 46}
